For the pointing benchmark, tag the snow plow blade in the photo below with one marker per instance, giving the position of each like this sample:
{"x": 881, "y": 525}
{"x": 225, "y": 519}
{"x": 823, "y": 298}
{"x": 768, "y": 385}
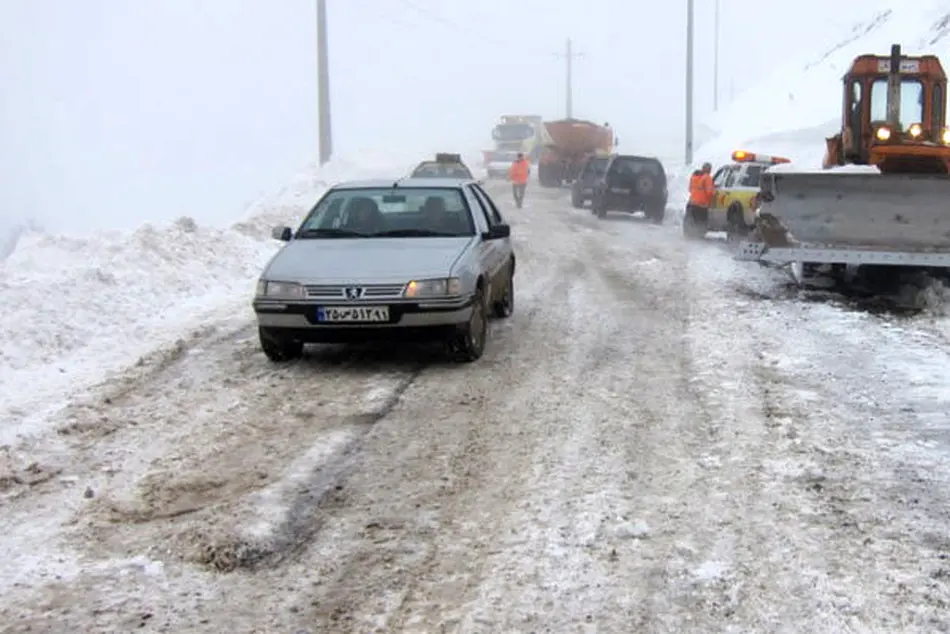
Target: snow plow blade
{"x": 900, "y": 212}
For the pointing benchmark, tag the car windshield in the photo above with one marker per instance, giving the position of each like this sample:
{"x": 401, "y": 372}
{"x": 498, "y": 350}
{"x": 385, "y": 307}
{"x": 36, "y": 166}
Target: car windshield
{"x": 503, "y": 157}
{"x": 389, "y": 213}
{"x": 441, "y": 170}
{"x": 599, "y": 166}
{"x": 512, "y": 132}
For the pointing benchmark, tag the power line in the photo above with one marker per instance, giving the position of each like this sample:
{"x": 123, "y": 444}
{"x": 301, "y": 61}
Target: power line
{"x": 461, "y": 28}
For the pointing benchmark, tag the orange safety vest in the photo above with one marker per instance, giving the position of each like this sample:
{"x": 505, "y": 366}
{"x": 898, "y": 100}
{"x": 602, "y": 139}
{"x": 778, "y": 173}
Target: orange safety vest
{"x": 519, "y": 171}
{"x": 701, "y": 189}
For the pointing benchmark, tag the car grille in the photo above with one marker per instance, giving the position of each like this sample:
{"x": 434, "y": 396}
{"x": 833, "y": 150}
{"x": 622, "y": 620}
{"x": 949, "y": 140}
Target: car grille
{"x": 370, "y": 291}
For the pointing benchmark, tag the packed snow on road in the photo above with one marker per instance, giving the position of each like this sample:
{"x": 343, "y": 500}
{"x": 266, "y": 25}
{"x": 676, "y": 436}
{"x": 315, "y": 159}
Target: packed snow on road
{"x": 660, "y": 439}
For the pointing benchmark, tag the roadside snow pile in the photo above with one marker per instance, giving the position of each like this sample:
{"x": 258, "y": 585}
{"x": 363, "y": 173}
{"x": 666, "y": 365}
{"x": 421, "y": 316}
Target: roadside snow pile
{"x": 77, "y": 309}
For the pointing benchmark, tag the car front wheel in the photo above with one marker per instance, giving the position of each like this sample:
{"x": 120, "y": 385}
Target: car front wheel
{"x": 468, "y": 344}
{"x": 278, "y": 348}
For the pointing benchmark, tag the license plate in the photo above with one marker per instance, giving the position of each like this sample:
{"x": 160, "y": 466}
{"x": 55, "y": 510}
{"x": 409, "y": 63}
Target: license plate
{"x": 344, "y": 314}
{"x": 620, "y": 190}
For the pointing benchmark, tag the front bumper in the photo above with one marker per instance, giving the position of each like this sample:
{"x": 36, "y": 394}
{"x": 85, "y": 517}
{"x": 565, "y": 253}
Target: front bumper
{"x": 407, "y": 320}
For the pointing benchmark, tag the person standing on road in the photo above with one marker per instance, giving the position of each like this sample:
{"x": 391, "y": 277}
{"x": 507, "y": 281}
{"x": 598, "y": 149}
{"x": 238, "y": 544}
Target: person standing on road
{"x": 701, "y": 194}
{"x": 518, "y": 174}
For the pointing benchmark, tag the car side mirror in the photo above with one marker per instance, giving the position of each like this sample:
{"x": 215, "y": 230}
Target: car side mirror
{"x": 498, "y": 232}
{"x": 284, "y": 234}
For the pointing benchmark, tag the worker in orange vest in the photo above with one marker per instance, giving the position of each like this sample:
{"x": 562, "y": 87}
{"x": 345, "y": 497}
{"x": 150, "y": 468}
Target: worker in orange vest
{"x": 518, "y": 174}
{"x": 701, "y": 195}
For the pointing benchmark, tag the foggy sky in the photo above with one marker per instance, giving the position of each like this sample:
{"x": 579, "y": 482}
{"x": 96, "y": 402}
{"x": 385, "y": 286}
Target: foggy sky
{"x": 117, "y": 112}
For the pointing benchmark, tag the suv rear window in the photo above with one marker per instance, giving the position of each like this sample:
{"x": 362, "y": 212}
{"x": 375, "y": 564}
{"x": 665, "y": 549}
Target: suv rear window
{"x": 629, "y": 167}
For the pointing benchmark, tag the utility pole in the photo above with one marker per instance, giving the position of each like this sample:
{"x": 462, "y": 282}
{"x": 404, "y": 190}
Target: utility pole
{"x": 689, "y": 82}
{"x": 716, "y": 61}
{"x": 569, "y": 109}
{"x": 323, "y": 84}
{"x": 569, "y": 56}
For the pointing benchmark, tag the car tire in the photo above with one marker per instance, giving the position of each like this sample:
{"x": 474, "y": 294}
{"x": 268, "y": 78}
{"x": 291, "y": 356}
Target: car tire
{"x": 278, "y": 348}
{"x": 468, "y": 344}
{"x": 504, "y": 307}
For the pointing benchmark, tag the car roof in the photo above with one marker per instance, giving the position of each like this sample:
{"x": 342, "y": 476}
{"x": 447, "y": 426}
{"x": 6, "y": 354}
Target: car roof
{"x": 635, "y": 156}
{"x": 404, "y": 182}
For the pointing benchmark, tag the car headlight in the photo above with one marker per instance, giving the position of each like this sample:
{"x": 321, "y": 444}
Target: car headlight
{"x": 916, "y": 130}
{"x": 883, "y": 133}
{"x": 279, "y": 290}
{"x": 945, "y": 136}
{"x": 441, "y": 287}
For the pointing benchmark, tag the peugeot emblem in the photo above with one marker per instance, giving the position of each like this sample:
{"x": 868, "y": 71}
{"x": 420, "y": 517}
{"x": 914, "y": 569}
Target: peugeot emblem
{"x": 353, "y": 292}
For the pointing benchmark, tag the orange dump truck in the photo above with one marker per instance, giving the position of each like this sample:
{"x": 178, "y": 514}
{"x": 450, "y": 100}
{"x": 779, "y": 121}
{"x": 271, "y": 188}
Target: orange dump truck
{"x": 567, "y": 143}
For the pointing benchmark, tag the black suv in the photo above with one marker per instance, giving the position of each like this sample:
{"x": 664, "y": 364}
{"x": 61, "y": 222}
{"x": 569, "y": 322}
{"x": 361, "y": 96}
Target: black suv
{"x": 631, "y": 184}
{"x": 590, "y": 177}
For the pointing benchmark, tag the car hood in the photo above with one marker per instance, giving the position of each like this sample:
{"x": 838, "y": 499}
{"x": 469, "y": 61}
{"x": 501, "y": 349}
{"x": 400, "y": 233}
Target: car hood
{"x": 345, "y": 260}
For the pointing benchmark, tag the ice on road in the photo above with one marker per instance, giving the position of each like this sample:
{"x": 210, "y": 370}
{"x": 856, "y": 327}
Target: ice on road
{"x": 656, "y": 441}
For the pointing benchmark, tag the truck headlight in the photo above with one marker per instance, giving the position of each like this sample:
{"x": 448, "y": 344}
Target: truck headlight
{"x": 279, "y": 290}
{"x": 916, "y": 130}
{"x": 441, "y": 287}
{"x": 883, "y": 133}
{"x": 945, "y": 136}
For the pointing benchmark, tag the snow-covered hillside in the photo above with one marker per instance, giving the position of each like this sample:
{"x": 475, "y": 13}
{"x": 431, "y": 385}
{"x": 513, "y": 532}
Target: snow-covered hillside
{"x": 77, "y": 308}
{"x": 792, "y": 112}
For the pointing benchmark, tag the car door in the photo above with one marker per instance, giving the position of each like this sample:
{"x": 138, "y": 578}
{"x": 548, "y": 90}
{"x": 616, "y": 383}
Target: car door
{"x": 717, "y": 211}
{"x": 499, "y": 252}
{"x": 486, "y": 250}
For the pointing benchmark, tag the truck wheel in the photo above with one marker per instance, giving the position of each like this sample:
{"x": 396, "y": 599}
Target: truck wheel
{"x": 278, "y": 348}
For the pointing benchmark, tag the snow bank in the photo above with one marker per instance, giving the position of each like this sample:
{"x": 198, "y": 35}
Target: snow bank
{"x": 78, "y": 308}
{"x": 791, "y": 112}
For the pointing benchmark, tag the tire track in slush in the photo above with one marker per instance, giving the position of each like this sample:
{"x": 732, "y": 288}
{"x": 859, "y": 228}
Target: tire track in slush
{"x": 318, "y": 492}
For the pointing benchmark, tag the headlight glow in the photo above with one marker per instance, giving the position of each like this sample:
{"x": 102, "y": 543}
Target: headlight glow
{"x": 883, "y": 133}
{"x": 281, "y": 290}
{"x": 945, "y": 136}
{"x": 916, "y": 130}
{"x": 441, "y": 287}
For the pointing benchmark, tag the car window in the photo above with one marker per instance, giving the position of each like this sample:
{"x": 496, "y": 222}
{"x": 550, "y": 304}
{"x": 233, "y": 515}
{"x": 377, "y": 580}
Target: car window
{"x": 441, "y": 170}
{"x": 732, "y": 177}
{"x": 486, "y": 200}
{"x": 389, "y": 212}
{"x": 750, "y": 176}
{"x": 721, "y": 175}
{"x": 627, "y": 169}
{"x": 486, "y": 214}
{"x": 599, "y": 166}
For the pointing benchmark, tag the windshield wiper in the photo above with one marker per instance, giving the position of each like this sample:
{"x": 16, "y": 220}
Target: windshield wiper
{"x": 330, "y": 233}
{"x": 413, "y": 233}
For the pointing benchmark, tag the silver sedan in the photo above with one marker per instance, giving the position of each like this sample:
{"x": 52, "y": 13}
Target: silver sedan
{"x": 414, "y": 259}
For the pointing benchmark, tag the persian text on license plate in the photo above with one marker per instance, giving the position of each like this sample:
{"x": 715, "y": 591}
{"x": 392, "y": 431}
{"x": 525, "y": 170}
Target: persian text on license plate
{"x": 343, "y": 314}
{"x": 619, "y": 190}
